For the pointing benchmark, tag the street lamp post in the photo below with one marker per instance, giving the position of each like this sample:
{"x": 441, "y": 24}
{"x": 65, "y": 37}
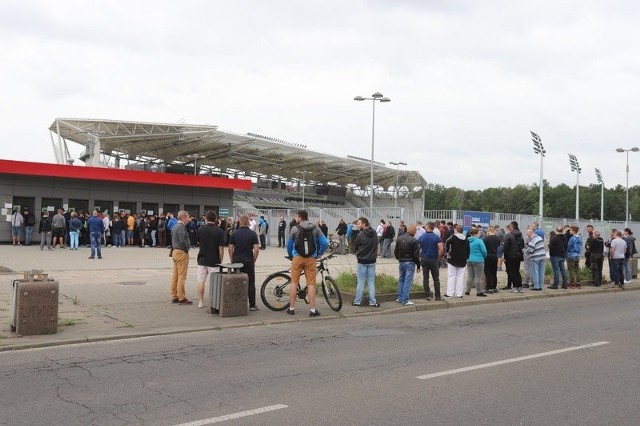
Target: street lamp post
{"x": 538, "y": 148}
{"x": 601, "y": 182}
{"x": 575, "y": 167}
{"x": 398, "y": 164}
{"x": 195, "y": 161}
{"x": 375, "y": 97}
{"x": 634, "y": 149}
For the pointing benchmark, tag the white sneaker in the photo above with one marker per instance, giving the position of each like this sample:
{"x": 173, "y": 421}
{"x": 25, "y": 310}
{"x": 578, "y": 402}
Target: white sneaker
{"x": 628, "y": 282}
{"x": 409, "y": 303}
{"x": 200, "y": 305}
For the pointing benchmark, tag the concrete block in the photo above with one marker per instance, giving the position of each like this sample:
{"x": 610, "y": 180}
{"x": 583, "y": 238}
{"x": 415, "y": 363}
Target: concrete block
{"x": 37, "y": 307}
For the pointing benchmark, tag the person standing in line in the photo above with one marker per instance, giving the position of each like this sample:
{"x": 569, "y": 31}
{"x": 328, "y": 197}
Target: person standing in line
{"x": 244, "y": 247}
{"x": 574, "y": 248}
{"x": 16, "y": 227}
{"x": 29, "y": 223}
{"x": 491, "y": 242}
{"x": 628, "y": 238}
{"x": 306, "y": 243}
{"x": 282, "y": 228}
{"x": 558, "y": 255}
{"x": 355, "y": 230}
{"x": 500, "y": 253}
{"x": 59, "y": 224}
{"x": 366, "y": 249}
{"x": 596, "y": 258}
{"x": 131, "y": 224}
{"x": 210, "y": 253}
{"x": 171, "y": 222}
{"x": 617, "y": 249}
{"x": 162, "y": 230}
{"x": 117, "y": 226}
{"x": 341, "y": 230}
{"x": 180, "y": 256}
{"x": 587, "y": 247}
{"x": 457, "y": 248}
{"x": 475, "y": 262}
{"x": 44, "y": 230}
{"x": 262, "y": 232}
{"x": 96, "y": 230}
{"x": 538, "y": 258}
{"x": 513, "y": 246}
{"x": 431, "y": 249}
{"x": 526, "y": 262}
{"x": 380, "y": 234}
{"x": 407, "y": 251}
{"x": 75, "y": 225}
{"x": 388, "y": 236}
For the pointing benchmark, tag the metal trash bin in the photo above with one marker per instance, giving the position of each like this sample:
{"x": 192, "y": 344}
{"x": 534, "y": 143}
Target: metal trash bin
{"x": 229, "y": 291}
{"x": 33, "y": 308}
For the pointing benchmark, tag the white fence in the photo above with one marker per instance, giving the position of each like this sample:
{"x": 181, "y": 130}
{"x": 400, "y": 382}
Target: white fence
{"x": 331, "y": 216}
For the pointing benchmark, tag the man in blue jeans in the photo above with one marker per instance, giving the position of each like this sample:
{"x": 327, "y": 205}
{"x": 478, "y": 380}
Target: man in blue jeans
{"x": 96, "y": 229}
{"x": 407, "y": 251}
{"x": 558, "y": 254}
{"x": 366, "y": 248}
{"x": 431, "y": 249}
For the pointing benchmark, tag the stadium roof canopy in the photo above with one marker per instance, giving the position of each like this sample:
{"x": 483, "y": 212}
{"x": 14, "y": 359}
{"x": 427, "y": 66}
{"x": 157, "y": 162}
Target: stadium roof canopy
{"x": 218, "y": 152}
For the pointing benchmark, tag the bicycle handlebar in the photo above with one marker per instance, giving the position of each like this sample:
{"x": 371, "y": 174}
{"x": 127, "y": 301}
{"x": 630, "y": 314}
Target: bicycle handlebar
{"x": 318, "y": 259}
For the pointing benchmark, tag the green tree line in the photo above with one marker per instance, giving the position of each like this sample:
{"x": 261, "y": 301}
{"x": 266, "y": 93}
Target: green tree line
{"x": 559, "y": 201}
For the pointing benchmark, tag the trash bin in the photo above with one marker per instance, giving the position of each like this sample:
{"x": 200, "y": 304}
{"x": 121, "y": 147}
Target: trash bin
{"x": 229, "y": 291}
{"x": 633, "y": 263}
{"x": 34, "y": 305}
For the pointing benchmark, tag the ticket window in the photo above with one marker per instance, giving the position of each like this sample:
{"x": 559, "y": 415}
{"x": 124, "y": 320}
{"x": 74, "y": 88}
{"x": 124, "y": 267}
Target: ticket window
{"x": 193, "y": 210}
{"x": 51, "y": 205}
{"x": 78, "y": 205}
{"x": 173, "y": 208}
{"x": 22, "y": 203}
{"x": 103, "y": 206}
{"x": 150, "y": 209}
{"x": 128, "y": 207}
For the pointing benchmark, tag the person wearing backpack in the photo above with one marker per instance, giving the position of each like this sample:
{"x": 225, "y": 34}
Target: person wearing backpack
{"x": 306, "y": 242}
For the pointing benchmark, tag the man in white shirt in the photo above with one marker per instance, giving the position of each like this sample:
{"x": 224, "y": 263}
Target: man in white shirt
{"x": 16, "y": 227}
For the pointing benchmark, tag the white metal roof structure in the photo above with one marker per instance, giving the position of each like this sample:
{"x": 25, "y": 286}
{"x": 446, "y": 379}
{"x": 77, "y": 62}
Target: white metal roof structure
{"x": 219, "y": 152}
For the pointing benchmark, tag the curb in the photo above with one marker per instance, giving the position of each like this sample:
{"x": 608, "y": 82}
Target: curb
{"x": 334, "y": 316}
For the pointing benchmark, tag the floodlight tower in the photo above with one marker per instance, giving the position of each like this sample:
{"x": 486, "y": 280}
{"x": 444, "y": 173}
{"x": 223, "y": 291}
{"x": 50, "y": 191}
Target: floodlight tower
{"x": 575, "y": 167}
{"x": 601, "y": 182}
{"x": 538, "y": 148}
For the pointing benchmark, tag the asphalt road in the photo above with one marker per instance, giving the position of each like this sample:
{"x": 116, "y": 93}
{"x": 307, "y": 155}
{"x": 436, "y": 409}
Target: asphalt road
{"x": 356, "y": 371}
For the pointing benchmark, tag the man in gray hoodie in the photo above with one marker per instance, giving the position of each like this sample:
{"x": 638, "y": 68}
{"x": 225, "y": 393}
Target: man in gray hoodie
{"x": 366, "y": 247}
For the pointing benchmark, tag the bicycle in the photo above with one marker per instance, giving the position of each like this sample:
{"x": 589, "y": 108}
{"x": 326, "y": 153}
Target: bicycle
{"x": 276, "y": 288}
{"x": 333, "y": 245}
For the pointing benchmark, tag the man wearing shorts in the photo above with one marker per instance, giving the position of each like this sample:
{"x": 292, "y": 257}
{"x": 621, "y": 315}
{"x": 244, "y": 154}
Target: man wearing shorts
{"x": 16, "y": 227}
{"x": 59, "y": 224}
{"x": 300, "y": 264}
{"x": 211, "y": 251}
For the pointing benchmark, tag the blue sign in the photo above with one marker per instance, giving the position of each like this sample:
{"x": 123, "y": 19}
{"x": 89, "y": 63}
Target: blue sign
{"x": 475, "y": 218}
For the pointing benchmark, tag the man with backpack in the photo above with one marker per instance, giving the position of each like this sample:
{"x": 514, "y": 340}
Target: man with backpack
{"x": 306, "y": 242}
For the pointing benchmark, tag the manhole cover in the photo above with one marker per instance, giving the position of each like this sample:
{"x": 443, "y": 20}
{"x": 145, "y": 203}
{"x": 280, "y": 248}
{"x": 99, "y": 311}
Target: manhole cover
{"x": 375, "y": 333}
{"x": 132, "y": 283}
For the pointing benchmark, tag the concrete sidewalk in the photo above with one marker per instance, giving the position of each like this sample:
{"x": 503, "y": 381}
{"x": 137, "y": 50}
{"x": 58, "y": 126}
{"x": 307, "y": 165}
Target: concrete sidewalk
{"x": 126, "y": 294}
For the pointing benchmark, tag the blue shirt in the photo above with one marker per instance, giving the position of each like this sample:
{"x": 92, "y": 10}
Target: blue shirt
{"x": 574, "y": 247}
{"x": 95, "y": 225}
{"x": 429, "y": 245}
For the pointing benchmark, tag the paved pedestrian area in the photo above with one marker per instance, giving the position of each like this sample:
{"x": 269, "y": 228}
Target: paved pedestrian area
{"x": 126, "y": 294}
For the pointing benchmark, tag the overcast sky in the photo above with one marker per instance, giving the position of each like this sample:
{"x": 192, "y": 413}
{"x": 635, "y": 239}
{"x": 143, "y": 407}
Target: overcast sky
{"x": 467, "y": 79}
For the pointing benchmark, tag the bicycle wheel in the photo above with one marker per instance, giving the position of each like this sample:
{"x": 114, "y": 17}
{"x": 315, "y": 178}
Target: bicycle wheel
{"x": 332, "y": 293}
{"x": 275, "y": 291}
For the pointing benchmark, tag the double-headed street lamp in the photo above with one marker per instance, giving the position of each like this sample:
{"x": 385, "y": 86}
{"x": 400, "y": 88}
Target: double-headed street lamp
{"x": 375, "y": 97}
{"x": 538, "y": 148}
{"x": 398, "y": 164}
{"x": 601, "y": 182}
{"x": 195, "y": 161}
{"x": 575, "y": 167}
{"x": 634, "y": 149}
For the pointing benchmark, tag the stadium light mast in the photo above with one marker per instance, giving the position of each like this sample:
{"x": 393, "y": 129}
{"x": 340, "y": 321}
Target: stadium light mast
{"x": 634, "y": 149}
{"x": 601, "y": 182}
{"x": 395, "y": 201}
{"x": 538, "y": 148}
{"x": 575, "y": 167}
{"x": 375, "y": 97}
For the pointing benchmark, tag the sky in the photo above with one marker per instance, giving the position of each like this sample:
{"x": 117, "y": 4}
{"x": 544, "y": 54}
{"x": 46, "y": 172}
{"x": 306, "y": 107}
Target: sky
{"x": 467, "y": 79}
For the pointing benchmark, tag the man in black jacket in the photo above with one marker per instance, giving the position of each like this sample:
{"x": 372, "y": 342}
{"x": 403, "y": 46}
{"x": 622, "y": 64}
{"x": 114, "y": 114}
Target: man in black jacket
{"x": 457, "y": 248}
{"x": 597, "y": 258}
{"x": 282, "y": 228}
{"x": 513, "y": 245}
{"x": 366, "y": 246}
{"x": 407, "y": 251}
{"x": 341, "y": 229}
{"x": 558, "y": 255}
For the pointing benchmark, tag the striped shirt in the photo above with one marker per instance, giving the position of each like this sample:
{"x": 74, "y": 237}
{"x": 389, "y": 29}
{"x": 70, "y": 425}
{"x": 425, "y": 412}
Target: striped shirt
{"x": 535, "y": 247}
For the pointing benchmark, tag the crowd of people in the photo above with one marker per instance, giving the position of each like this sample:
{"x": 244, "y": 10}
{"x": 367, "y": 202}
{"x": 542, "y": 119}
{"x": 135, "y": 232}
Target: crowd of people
{"x": 482, "y": 252}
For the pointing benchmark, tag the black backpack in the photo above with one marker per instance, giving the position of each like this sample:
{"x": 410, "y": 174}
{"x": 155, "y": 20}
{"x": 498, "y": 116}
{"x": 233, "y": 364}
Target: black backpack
{"x": 305, "y": 242}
